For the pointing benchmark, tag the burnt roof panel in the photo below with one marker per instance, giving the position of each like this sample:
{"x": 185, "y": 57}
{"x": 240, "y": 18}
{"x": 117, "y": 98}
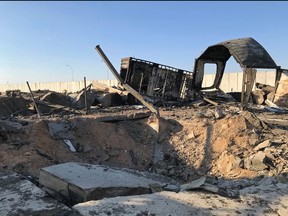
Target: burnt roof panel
{"x": 246, "y": 51}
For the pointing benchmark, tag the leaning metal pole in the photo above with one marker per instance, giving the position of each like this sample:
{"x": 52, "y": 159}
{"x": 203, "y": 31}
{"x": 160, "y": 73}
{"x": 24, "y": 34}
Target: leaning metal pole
{"x": 125, "y": 85}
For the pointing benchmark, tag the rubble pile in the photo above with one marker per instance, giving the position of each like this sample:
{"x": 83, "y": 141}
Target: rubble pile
{"x": 232, "y": 148}
{"x": 90, "y": 149}
{"x": 228, "y": 147}
{"x": 195, "y": 141}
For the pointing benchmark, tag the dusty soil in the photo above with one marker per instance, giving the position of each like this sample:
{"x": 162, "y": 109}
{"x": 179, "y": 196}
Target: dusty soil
{"x": 195, "y": 142}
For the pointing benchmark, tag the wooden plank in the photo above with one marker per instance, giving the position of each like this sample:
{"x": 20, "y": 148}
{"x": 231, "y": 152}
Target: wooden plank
{"x": 210, "y": 101}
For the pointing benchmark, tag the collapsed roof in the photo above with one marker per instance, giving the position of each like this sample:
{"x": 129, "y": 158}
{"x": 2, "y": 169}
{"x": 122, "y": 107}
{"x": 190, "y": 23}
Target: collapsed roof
{"x": 246, "y": 51}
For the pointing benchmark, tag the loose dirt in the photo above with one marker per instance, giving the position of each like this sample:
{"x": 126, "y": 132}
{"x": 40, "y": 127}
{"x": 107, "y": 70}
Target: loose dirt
{"x": 195, "y": 142}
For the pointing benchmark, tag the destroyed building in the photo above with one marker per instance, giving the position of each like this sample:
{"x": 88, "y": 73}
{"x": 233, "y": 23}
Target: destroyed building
{"x": 161, "y": 81}
{"x": 90, "y": 153}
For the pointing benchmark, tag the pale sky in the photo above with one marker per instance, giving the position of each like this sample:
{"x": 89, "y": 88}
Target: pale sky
{"x": 39, "y": 39}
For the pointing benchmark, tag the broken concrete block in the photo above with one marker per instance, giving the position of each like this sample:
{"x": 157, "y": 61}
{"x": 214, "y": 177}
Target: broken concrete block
{"x": 79, "y": 101}
{"x": 256, "y": 162}
{"x": 254, "y": 120}
{"x": 197, "y": 183}
{"x": 219, "y": 113}
{"x": 61, "y": 130}
{"x": 55, "y": 98}
{"x": 9, "y": 126}
{"x": 83, "y": 182}
{"x": 262, "y": 145}
{"x": 253, "y": 141}
{"x": 21, "y": 197}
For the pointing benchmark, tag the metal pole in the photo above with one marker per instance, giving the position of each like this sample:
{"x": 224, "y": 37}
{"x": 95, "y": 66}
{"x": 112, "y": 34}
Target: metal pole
{"x": 126, "y": 86}
{"x": 109, "y": 64}
{"x": 85, "y": 94}
{"x": 38, "y": 111}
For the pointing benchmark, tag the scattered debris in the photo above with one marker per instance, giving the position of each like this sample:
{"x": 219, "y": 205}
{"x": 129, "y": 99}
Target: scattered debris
{"x": 9, "y": 126}
{"x": 69, "y": 143}
{"x": 256, "y": 162}
{"x": 55, "y": 98}
{"x": 79, "y": 101}
{"x": 61, "y": 130}
{"x": 110, "y": 99}
{"x": 252, "y": 119}
{"x": 262, "y": 145}
{"x": 205, "y": 140}
{"x": 199, "y": 184}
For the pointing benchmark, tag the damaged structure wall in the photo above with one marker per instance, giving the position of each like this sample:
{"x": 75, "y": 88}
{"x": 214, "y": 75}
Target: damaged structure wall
{"x": 155, "y": 79}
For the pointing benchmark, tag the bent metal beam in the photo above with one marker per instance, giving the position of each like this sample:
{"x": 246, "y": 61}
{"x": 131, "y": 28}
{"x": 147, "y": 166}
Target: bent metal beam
{"x": 125, "y": 85}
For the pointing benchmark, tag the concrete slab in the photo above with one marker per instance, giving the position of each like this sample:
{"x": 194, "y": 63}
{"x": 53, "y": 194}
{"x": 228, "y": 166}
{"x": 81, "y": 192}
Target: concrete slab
{"x": 268, "y": 200}
{"x": 21, "y": 197}
{"x": 82, "y": 182}
{"x": 163, "y": 203}
{"x": 269, "y": 193}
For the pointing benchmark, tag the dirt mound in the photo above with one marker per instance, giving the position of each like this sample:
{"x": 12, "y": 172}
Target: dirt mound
{"x": 122, "y": 144}
{"x": 195, "y": 142}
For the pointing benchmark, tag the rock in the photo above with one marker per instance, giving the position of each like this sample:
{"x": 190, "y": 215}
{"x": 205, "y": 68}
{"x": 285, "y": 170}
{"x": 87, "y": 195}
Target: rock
{"x": 210, "y": 187}
{"x": 254, "y": 120}
{"x": 262, "y": 145}
{"x": 256, "y": 162}
{"x": 61, "y": 130}
{"x": 83, "y": 182}
{"x": 79, "y": 101}
{"x": 9, "y": 126}
{"x": 172, "y": 187}
{"x": 194, "y": 184}
{"x": 219, "y": 113}
{"x": 253, "y": 141}
{"x": 55, "y": 98}
{"x": 191, "y": 135}
{"x": 283, "y": 178}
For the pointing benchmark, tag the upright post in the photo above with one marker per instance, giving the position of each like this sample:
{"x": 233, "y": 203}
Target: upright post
{"x": 38, "y": 111}
{"x": 85, "y": 95}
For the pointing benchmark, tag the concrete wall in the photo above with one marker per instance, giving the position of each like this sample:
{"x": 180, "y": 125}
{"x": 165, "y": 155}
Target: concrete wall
{"x": 230, "y": 82}
{"x": 54, "y": 86}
